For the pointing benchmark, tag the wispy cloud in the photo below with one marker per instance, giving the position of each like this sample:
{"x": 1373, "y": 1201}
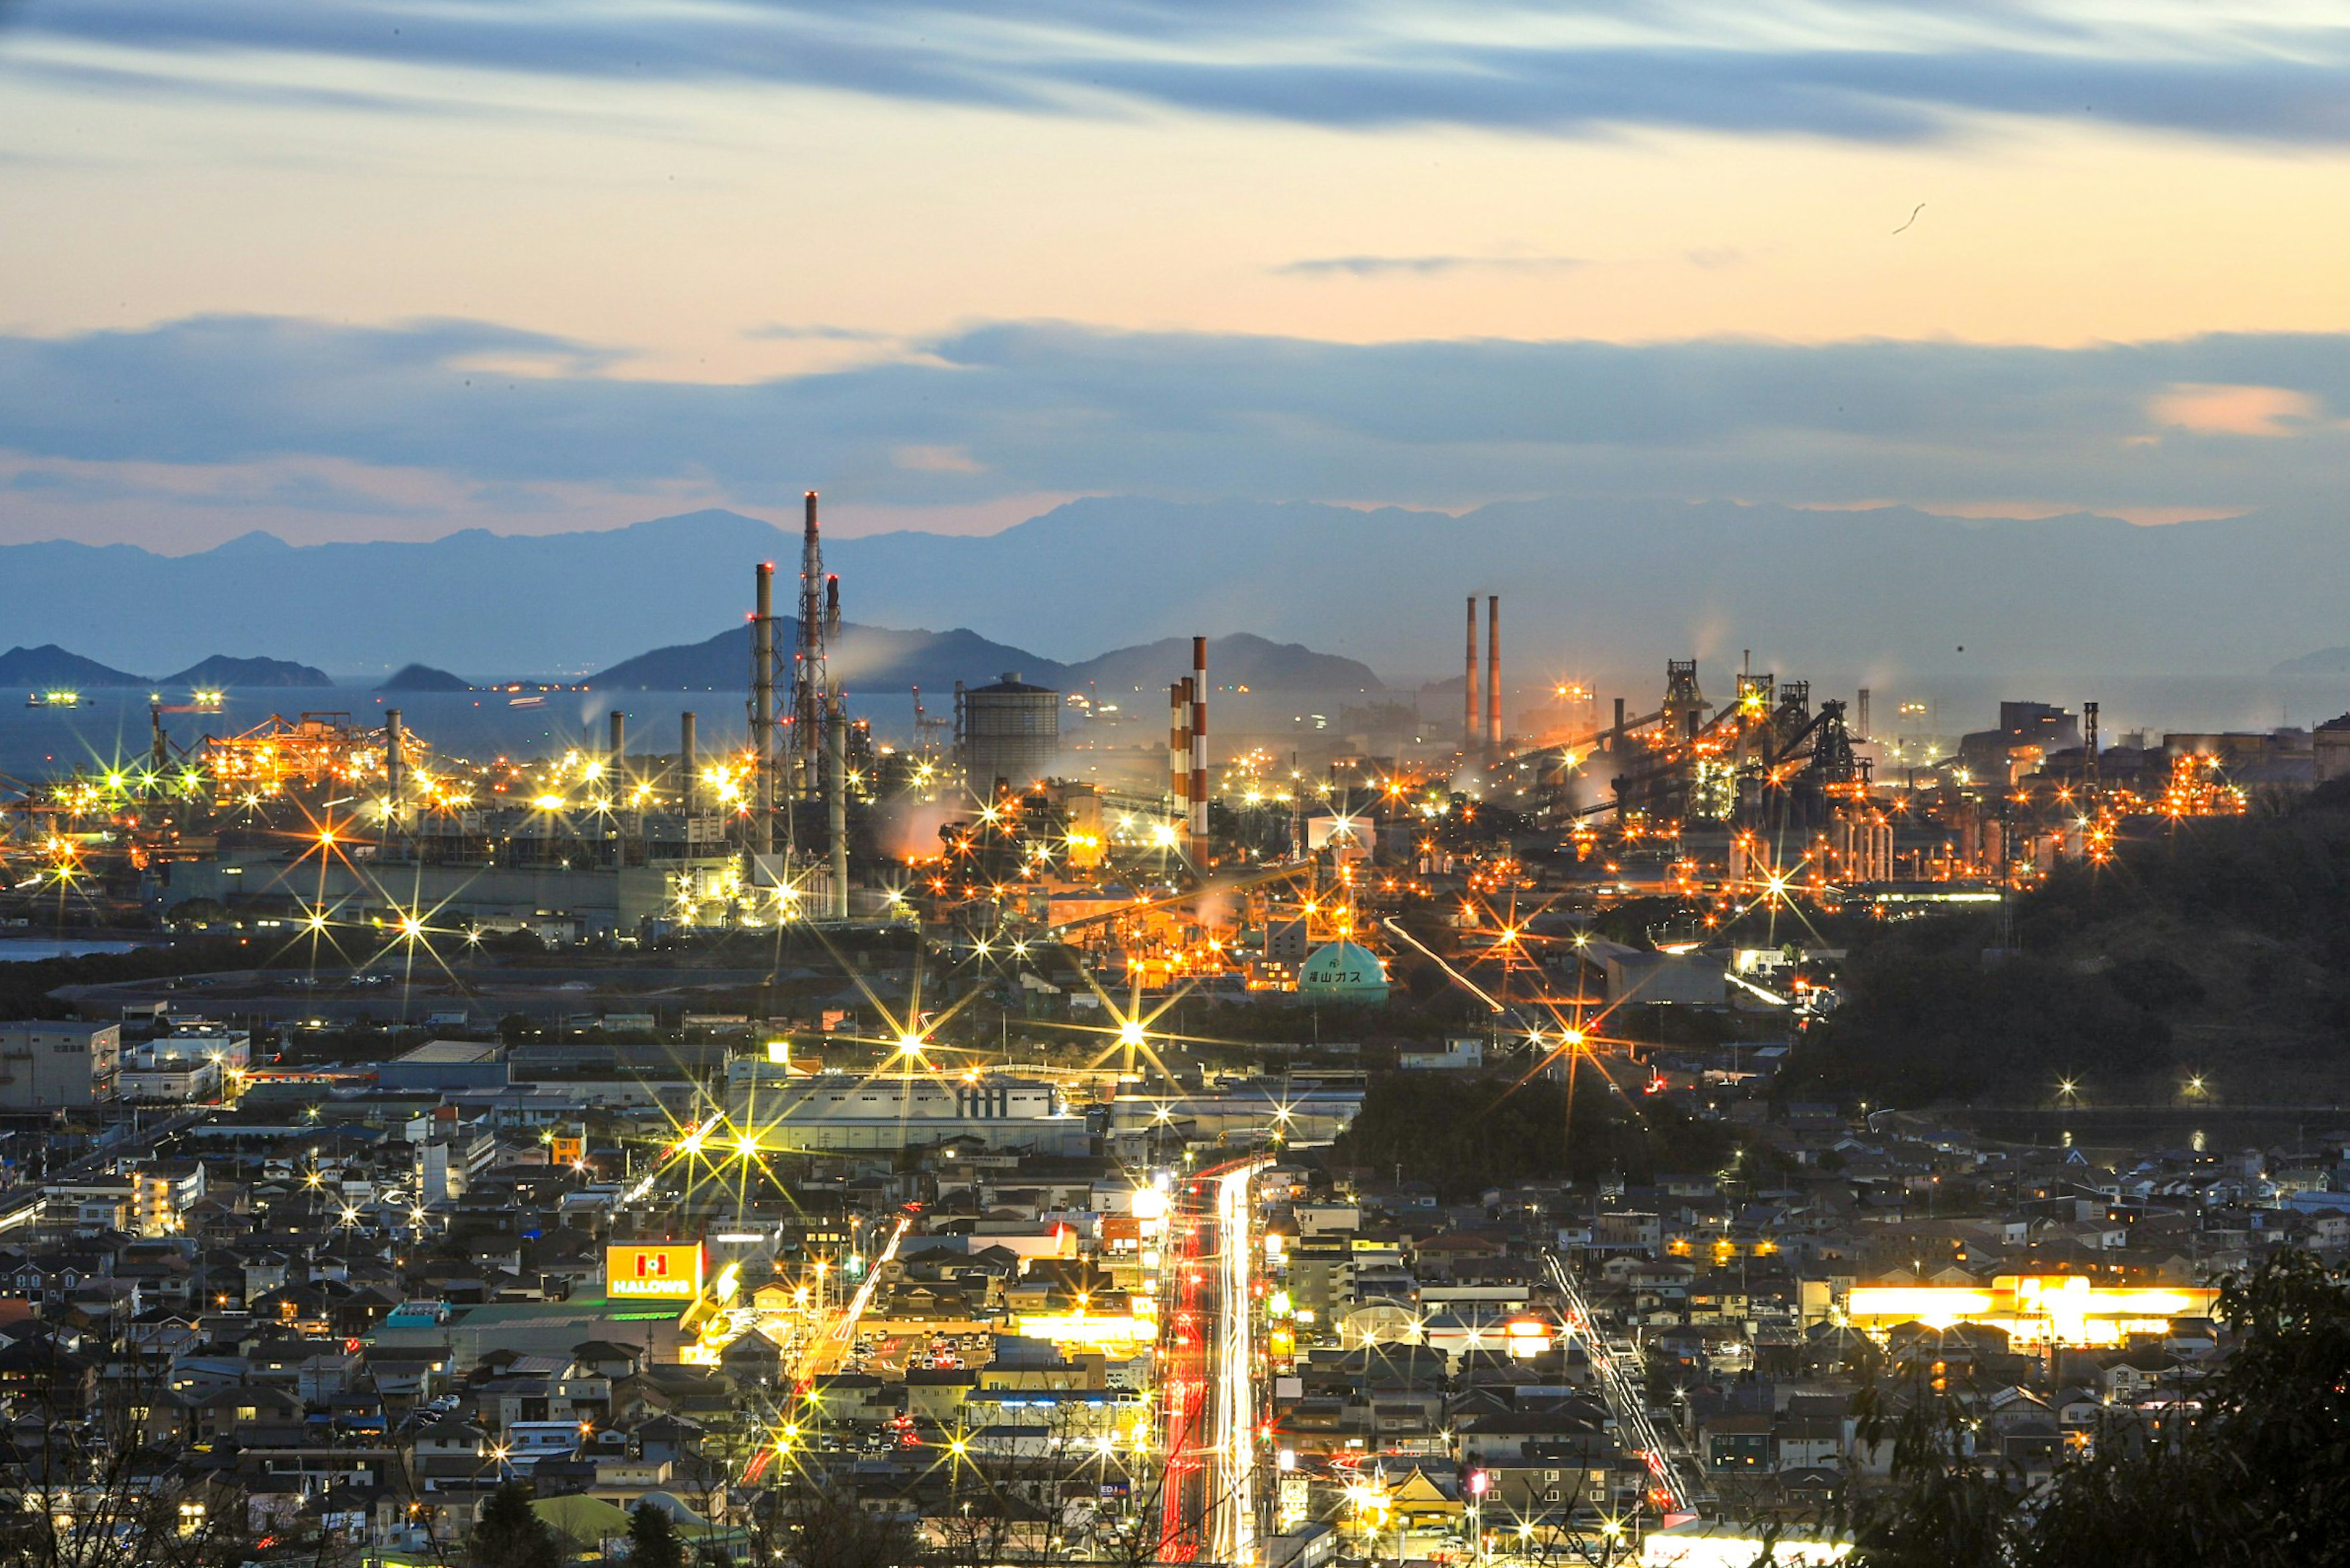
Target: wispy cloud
{"x": 1845, "y": 69}
{"x": 788, "y": 331}
{"x": 1420, "y": 266}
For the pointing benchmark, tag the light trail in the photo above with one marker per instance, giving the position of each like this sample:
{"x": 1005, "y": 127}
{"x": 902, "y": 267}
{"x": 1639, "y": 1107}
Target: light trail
{"x": 1232, "y": 1513}
{"x": 825, "y": 1352}
{"x": 1207, "y": 1372}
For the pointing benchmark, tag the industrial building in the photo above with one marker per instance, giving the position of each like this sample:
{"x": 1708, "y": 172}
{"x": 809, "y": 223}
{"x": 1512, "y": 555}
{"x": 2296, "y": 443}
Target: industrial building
{"x": 46, "y": 1063}
{"x": 1011, "y": 734}
{"x": 783, "y": 1109}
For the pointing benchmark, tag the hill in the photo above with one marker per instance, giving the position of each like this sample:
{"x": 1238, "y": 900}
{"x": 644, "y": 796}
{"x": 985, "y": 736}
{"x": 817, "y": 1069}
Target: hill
{"x": 872, "y": 657}
{"x": 2220, "y": 951}
{"x": 1242, "y": 659}
{"x": 225, "y": 673}
{"x": 868, "y": 658}
{"x": 49, "y": 665}
{"x": 2324, "y": 662}
{"x": 424, "y": 677}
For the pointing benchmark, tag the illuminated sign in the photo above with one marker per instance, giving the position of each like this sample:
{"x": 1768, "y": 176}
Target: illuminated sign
{"x": 561, "y": 1150}
{"x": 1078, "y": 1328}
{"x": 2034, "y": 1309}
{"x": 662, "y": 1270}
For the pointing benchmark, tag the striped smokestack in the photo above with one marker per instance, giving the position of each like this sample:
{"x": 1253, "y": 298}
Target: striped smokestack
{"x": 1469, "y": 687}
{"x": 1199, "y": 751}
{"x": 1179, "y": 749}
{"x": 1493, "y": 676}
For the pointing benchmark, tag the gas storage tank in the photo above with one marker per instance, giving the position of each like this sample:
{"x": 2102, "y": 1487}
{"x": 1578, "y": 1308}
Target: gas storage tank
{"x": 1011, "y": 732}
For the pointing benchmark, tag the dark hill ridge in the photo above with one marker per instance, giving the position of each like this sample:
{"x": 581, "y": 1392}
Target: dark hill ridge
{"x": 876, "y": 658}
{"x": 1241, "y": 659}
{"x": 49, "y": 665}
{"x": 868, "y": 658}
{"x": 424, "y": 677}
{"x": 224, "y": 673}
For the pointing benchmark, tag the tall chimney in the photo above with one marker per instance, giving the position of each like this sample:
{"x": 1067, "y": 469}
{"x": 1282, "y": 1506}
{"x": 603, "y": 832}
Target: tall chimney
{"x": 1616, "y": 735}
{"x": 686, "y": 766}
{"x": 1469, "y": 685}
{"x": 1865, "y": 733}
{"x": 619, "y": 744}
{"x": 762, "y": 713}
{"x": 1179, "y": 749}
{"x": 808, "y": 669}
{"x": 1200, "y": 752}
{"x": 1493, "y": 676}
{"x": 835, "y": 767}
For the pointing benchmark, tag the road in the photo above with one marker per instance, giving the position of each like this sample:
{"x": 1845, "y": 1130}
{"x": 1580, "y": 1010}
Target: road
{"x": 1208, "y": 1387}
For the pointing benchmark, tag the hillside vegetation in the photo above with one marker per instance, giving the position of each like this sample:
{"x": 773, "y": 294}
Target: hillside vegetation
{"x": 2218, "y": 949}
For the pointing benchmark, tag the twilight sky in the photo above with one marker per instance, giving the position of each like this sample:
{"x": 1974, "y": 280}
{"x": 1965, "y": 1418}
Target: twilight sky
{"x": 347, "y": 270}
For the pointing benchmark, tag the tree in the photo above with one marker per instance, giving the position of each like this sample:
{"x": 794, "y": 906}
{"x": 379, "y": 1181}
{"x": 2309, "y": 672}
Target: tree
{"x": 2257, "y": 1476}
{"x": 652, "y": 1539}
{"x": 510, "y": 1533}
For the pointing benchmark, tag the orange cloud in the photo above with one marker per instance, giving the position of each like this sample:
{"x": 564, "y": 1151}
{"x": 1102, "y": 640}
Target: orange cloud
{"x": 2210, "y": 408}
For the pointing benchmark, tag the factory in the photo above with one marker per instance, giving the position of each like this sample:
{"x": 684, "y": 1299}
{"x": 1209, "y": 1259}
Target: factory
{"x": 781, "y": 1108}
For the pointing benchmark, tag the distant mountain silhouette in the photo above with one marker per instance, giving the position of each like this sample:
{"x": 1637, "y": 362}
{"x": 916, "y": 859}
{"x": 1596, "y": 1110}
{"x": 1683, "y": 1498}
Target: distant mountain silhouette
{"x": 1242, "y": 659}
{"x": 1593, "y": 588}
{"x": 49, "y": 665}
{"x": 424, "y": 677}
{"x": 2324, "y": 662}
{"x": 874, "y": 658}
{"x": 869, "y": 659}
{"x": 225, "y": 673}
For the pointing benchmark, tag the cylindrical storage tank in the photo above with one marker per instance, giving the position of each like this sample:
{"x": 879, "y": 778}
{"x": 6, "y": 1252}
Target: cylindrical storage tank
{"x": 1011, "y": 730}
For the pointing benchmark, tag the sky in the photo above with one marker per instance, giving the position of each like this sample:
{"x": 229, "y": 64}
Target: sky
{"x": 356, "y": 270}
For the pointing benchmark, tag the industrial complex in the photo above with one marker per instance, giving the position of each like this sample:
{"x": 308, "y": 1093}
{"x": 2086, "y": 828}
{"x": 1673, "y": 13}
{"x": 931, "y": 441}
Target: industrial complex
{"x": 970, "y": 1124}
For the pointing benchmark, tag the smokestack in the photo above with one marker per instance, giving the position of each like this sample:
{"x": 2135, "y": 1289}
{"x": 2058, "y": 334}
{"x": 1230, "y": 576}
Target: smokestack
{"x": 619, "y": 742}
{"x": 1469, "y": 685}
{"x": 395, "y": 761}
{"x": 686, "y": 767}
{"x": 835, "y": 767}
{"x": 831, "y": 626}
{"x": 1179, "y": 748}
{"x": 807, "y": 670}
{"x": 1200, "y": 752}
{"x": 1862, "y": 714}
{"x": 762, "y": 713}
{"x": 1493, "y": 676}
{"x": 1616, "y": 735}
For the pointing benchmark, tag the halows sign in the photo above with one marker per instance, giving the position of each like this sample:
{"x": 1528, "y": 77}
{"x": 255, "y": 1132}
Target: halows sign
{"x": 661, "y": 1270}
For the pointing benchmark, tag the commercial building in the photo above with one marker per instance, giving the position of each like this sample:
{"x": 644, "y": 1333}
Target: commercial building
{"x": 844, "y": 1110}
{"x": 2033, "y": 1309}
{"x": 46, "y": 1063}
{"x": 447, "y": 1065}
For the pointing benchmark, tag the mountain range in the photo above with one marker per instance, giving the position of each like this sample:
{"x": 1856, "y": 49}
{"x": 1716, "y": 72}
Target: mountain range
{"x": 1590, "y": 587}
{"x": 51, "y": 666}
{"x": 874, "y": 658}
